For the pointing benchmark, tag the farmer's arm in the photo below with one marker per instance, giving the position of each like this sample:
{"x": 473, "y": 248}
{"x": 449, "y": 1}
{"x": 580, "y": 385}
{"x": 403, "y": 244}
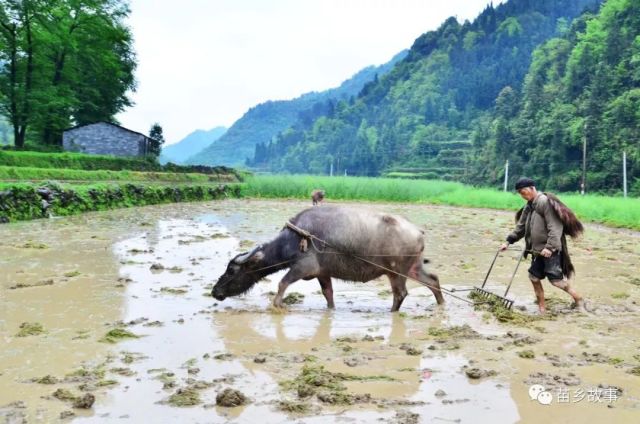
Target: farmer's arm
{"x": 518, "y": 233}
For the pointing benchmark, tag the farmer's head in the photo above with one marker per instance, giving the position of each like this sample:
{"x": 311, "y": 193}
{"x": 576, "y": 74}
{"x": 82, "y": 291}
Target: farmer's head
{"x": 526, "y": 187}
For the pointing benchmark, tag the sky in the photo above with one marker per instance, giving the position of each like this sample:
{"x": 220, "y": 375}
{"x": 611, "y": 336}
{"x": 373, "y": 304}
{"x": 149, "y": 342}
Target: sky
{"x": 204, "y": 63}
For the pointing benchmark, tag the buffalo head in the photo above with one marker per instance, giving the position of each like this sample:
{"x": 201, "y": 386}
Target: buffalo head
{"x": 240, "y": 275}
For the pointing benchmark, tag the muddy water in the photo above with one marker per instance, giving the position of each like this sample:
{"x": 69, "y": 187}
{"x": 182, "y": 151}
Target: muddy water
{"x": 149, "y": 271}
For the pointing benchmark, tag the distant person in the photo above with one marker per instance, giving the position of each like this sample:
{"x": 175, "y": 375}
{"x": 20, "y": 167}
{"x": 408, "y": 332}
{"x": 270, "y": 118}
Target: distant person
{"x": 317, "y": 196}
{"x": 543, "y": 222}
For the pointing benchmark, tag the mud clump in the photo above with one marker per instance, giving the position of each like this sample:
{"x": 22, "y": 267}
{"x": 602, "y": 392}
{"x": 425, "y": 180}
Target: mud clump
{"x": 527, "y": 354}
{"x": 293, "y": 407}
{"x": 84, "y": 402}
{"x": 30, "y": 329}
{"x": 48, "y": 282}
{"x": 406, "y": 417}
{"x": 47, "y": 379}
{"x": 505, "y": 315}
{"x": 230, "y": 397}
{"x": 341, "y": 398}
{"x": 117, "y": 334}
{"x": 67, "y": 414}
{"x": 32, "y": 245}
{"x": 187, "y": 396}
{"x": 552, "y": 381}
{"x": 454, "y": 332}
{"x": 410, "y": 350}
{"x": 521, "y": 340}
{"x": 64, "y": 394}
{"x": 477, "y": 373}
{"x": 327, "y": 386}
{"x": 293, "y": 298}
{"x": 173, "y": 290}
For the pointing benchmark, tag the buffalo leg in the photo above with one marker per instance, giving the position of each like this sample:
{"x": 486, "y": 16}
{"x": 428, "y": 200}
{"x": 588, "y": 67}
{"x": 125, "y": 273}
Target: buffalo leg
{"x": 290, "y": 277}
{"x": 327, "y": 290}
{"x": 399, "y": 289}
{"x": 433, "y": 284}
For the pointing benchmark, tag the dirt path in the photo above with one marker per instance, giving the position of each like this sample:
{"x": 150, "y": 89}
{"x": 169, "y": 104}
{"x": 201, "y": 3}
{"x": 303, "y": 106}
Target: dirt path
{"x": 147, "y": 272}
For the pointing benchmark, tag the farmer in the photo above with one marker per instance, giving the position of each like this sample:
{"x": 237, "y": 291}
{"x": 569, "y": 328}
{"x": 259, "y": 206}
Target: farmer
{"x": 543, "y": 222}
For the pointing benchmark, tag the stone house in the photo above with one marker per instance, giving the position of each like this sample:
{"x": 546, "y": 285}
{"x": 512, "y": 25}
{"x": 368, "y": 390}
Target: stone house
{"x": 105, "y": 138}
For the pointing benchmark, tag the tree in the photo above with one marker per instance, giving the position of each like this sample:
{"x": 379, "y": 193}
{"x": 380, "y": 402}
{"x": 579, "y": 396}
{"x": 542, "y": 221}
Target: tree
{"x": 63, "y": 62}
{"x": 17, "y": 57}
{"x": 157, "y": 140}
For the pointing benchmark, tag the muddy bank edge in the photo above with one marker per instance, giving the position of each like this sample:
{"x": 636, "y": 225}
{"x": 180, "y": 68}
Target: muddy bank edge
{"x": 25, "y": 201}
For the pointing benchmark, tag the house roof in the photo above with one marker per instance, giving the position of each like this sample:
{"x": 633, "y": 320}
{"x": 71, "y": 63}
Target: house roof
{"x": 110, "y": 123}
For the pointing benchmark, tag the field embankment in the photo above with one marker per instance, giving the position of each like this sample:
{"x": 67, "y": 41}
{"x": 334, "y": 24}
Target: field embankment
{"x": 62, "y": 161}
{"x": 36, "y": 185}
{"x": 613, "y": 211}
{"x": 25, "y": 201}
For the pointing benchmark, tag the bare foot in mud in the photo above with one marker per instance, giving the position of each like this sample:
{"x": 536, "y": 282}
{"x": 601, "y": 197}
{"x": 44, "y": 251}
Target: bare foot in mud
{"x": 580, "y": 306}
{"x": 542, "y": 311}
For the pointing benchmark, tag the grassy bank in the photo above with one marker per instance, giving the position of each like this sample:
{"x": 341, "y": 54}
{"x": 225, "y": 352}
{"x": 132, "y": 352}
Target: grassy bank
{"x": 99, "y": 162}
{"x": 24, "y": 201}
{"x": 24, "y": 173}
{"x": 613, "y": 211}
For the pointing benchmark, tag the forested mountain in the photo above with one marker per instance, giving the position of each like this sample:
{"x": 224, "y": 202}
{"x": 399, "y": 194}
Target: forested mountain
{"x": 63, "y": 63}
{"x": 516, "y": 83}
{"x": 264, "y": 121}
{"x": 190, "y": 145}
{"x": 583, "y": 87}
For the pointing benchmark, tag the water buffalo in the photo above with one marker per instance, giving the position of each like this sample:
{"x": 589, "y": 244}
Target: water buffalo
{"x": 389, "y": 244}
{"x": 317, "y": 196}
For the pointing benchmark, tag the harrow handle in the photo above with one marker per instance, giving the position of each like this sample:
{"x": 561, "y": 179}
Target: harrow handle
{"x": 514, "y": 272}
{"x": 486, "y": 277}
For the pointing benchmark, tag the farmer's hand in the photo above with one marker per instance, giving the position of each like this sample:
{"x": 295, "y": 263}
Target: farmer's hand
{"x": 504, "y": 247}
{"x": 545, "y": 252}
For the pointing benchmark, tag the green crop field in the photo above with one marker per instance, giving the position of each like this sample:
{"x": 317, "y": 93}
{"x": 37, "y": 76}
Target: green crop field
{"x": 615, "y": 211}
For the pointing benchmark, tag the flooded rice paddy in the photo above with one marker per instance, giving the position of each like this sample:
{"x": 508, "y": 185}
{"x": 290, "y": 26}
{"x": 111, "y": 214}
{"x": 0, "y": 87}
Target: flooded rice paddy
{"x": 107, "y": 317}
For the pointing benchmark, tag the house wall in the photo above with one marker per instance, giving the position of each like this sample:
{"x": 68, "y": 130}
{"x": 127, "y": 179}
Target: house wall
{"x": 104, "y": 139}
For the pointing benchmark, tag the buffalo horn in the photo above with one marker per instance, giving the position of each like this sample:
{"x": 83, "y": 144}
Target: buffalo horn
{"x": 244, "y": 258}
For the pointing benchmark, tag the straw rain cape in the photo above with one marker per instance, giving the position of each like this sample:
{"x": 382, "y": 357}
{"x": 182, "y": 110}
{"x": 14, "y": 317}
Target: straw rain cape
{"x": 571, "y": 227}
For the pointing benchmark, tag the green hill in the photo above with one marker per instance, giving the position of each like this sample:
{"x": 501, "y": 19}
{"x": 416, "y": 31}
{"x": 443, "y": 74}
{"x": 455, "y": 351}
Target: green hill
{"x": 425, "y": 115}
{"x": 264, "y": 121}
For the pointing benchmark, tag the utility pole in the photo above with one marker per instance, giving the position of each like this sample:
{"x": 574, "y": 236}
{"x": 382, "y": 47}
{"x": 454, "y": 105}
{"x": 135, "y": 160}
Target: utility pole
{"x": 506, "y": 174}
{"x": 584, "y": 159}
{"x": 331, "y": 169}
{"x": 624, "y": 172}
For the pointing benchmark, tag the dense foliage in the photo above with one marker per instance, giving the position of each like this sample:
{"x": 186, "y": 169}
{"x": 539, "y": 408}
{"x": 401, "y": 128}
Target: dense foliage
{"x": 583, "y": 87}
{"x": 264, "y": 121}
{"x": 63, "y": 62}
{"x": 525, "y": 81}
